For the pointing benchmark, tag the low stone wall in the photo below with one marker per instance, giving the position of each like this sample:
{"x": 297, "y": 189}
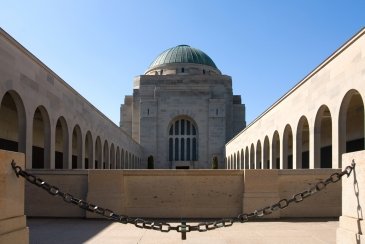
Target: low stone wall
{"x": 185, "y": 193}
{"x": 13, "y": 227}
{"x": 326, "y": 203}
{"x": 41, "y": 204}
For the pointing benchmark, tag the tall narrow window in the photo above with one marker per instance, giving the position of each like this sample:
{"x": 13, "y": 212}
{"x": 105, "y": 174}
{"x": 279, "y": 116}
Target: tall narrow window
{"x": 171, "y": 149}
{"x": 176, "y": 149}
{"x": 176, "y": 127}
{"x": 182, "y": 125}
{"x": 188, "y": 149}
{"x": 171, "y": 130}
{"x": 183, "y": 143}
{"x": 194, "y": 150}
{"x": 182, "y": 152}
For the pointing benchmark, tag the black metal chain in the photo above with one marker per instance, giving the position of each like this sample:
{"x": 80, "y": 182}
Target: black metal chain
{"x": 182, "y": 228}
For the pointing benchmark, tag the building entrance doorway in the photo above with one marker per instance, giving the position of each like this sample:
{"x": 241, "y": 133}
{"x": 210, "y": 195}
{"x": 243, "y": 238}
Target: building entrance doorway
{"x": 182, "y": 167}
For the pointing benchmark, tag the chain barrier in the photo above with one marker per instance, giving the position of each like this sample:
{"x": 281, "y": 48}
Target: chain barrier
{"x": 183, "y": 227}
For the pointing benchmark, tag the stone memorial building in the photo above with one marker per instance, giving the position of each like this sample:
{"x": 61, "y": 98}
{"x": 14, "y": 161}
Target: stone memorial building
{"x": 183, "y": 111}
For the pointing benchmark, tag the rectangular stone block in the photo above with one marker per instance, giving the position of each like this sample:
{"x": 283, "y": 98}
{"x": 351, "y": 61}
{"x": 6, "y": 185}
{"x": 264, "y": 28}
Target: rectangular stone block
{"x": 192, "y": 194}
{"x": 20, "y": 236}
{"x": 260, "y": 190}
{"x": 11, "y": 224}
{"x": 352, "y": 224}
{"x": 11, "y": 187}
{"x": 38, "y": 203}
{"x": 326, "y": 203}
{"x": 353, "y": 188}
{"x": 12, "y": 220}
{"x": 106, "y": 189}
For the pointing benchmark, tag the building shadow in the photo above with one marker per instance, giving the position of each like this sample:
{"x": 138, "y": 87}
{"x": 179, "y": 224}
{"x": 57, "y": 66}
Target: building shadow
{"x": 64, "y": 230}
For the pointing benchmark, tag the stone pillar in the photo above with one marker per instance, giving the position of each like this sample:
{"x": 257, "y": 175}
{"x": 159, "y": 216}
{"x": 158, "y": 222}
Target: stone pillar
{"x": 28, "y": 145}
{"x": 352, "y": 225}
{"x": 13, "y": 227}
{"x": 294, "y": 149}
{"x": 312, "y": 151}
{"x": 52, "y": 145}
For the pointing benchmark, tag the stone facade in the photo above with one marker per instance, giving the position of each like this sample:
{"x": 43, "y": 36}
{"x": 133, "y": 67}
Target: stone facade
{"x": 199, "y": 95}
{"x": 45, "y": 118}
{"x": 314, "y": 123}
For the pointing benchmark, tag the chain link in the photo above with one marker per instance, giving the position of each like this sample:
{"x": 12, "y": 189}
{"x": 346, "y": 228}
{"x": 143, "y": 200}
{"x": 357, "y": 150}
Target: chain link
{"x": 182, "y": 228}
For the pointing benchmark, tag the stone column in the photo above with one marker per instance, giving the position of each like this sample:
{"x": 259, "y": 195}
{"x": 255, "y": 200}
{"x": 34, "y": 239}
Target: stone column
{"x": 352, "y": 225}
{"x": 13, "y": 227}
{"x": 52, "y": 145}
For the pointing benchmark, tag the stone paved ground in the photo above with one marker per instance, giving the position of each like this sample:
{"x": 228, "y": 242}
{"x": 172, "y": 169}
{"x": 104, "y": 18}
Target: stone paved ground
{"x": 288, "y": 231}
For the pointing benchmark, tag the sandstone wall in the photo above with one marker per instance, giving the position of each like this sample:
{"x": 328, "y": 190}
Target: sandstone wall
{"x": 184, "y": 193}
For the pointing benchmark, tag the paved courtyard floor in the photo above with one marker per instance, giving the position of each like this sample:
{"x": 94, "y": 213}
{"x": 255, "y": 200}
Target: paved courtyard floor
{"x": 287, "y": 231}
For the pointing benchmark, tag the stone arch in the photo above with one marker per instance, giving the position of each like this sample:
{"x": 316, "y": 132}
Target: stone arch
{"x": 89, "y": 160}
{"x": 12, "y": 123}
{"x": 126, "y": 161}
{"x": 275, "y": 151}
{"x": 258, "y": 155}
{"x": 247, "y": 159}
{"x": 61, "y": 144}
{"x": 302, "y": 155}
{"x": 117, "y": 166}
{"x": 266, "y": 153}
{"x": 106, "y": 162}
{"x": 41, "y": 151}
{"x": 112, "y": 156}
{"x": 287, "y": 148}
{"x": 98, "y": 154}
{"x": 76, "y": 148}
{"x": 252, "y": 157}
{"x": 231, "y": 161}
{"x": 238, "y": 160}
{"x": 351, "y": 124}
{"x": 323, "y": 138}
{"x": 122, "y": 162}
{"x": 132, "y": 161}
{"x": 234, "y": 161}
{"x": 129, "y": 160}
{"x": 242, "y": 163}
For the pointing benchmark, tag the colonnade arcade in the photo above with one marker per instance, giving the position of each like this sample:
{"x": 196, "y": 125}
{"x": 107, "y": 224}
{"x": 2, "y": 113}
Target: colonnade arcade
{"x": 71, "y": 146}
{"x": 307, "y": 145}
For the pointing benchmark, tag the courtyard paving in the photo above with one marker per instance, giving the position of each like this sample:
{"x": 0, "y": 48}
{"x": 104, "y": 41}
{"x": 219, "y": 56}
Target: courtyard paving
{"x": 283, "y": 231}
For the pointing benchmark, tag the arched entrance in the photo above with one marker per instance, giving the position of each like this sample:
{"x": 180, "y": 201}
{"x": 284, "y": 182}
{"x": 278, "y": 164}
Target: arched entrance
{"x": 303, "y": 144}
{"x": 61, "y": 144}
{"x": 183, "y": 143}
{"x": 351, "y": 124}
{"x": 41, "y": 139}
{"x": 12, "y": 123}
{"x": 323, "y": 138}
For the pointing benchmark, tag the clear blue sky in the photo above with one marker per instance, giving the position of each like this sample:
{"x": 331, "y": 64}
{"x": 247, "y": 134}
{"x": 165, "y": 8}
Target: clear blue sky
{"x": 99, "y": 46}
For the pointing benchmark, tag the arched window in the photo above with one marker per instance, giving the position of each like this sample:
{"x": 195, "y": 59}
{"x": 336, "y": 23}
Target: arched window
{"x": 183, "y": 144}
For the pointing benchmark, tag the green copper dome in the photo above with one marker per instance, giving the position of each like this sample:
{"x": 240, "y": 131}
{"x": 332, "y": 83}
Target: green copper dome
{"x": 183, "y": 54}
